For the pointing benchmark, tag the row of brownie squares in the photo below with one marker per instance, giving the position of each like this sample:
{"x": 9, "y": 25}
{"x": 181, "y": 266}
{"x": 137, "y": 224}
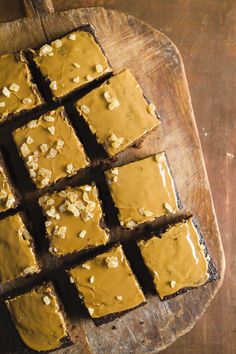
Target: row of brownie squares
{"x": 108, "y": 287}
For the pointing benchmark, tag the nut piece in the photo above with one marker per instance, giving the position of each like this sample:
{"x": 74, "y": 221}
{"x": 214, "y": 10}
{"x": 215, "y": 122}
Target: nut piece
{"x": 46, "y": 300}
{"x": 90, "y": 310}
{"x": 52, "y": 153}
{"x": 82, "y": 234}
{"x": 25, "y": 150}
{"x": 114, "y": 104}
{"x": 3, "y": 194}
{"x": 76, "y": 65}
{"x": 119, "y": 298}
{"x": 46, "y": 49}
{"x": 85, "y": 109}
{"x": 160, "y": 157}
{"x": 61, "y": 231}
{"x": 115, "y": 141}
{"x": 168, "y": 207}
{"x": 71, "y": 280}
{"x": 49, "y": 118}
{"x": 52, "y": 129}
{"x": 85, "y": 266}
{"x": 14, "y": 87}
{"x": 44, "y": 148}
{"x": 172, "y": 283}
{"x": 29, "y": 270}
{"x": 57, "y": 43}
{"x": 89, "y": 78}
{"x": 144, "y": 212}
{"x": 99, "y": 68}
{"x": 2, "y": 104}
{"x": 151, "y": 109}
{"x": 112, "y": 261}
{"x": 131, "y": 224}
{"x": 29, "y": 140}
{"x": 76, "y": 79}
{"x": 6, "y": 92}
{"x": 91, "y": 279}
{"x": 53, "y": 85}
{"x": 70, "y": 169}
{"x": 27, "y": 100}
{"x": 72, "y": 36}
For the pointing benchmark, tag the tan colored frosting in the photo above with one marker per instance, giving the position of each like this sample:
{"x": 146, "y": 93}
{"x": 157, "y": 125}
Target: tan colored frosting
{"x": 117, "y": 112}
{"x": 38, "y": 319}
{"x": 71, "y": 62}
{"x": 73, "y": 219}
{"x": 142, "y": 190}
{"x": 176, "y": 260}
{"x": 13, "y": 70}
{"x": 49, "y": 146}
{"x": 16, "y": 254}
{"x": 7, "y": 197}
{"x": 107, "y": 284}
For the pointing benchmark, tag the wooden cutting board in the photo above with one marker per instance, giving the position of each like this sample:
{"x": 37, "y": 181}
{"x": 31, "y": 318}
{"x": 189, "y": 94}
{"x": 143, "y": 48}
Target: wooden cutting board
{"x": 156, "y": 63}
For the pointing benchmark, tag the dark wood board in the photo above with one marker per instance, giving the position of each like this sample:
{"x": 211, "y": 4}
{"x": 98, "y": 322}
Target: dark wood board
{"x": 129, "y": 42}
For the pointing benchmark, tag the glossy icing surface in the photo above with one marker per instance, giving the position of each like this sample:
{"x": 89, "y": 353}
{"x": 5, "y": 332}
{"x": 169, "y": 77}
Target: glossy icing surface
{"x": 73, "y": 219}
{"x": 117, "y": 112}
{"x": 38, "y": 319}
{"x": 142, "y": 190}
{"x": 107, "y": 284}
{"x": 16, "y": 254}
{"x": 71, "y": 62}
{"x": 50, "y": 148}
{"x": 17, "y": 91}
{"x": 176, "y": 260}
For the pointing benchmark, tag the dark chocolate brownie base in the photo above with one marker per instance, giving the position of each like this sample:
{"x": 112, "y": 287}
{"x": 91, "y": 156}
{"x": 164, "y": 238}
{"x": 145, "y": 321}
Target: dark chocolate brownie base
{"x": 82, "y": 90}
{"x": 20, "y": 346}
{"x": 213, "y": 273}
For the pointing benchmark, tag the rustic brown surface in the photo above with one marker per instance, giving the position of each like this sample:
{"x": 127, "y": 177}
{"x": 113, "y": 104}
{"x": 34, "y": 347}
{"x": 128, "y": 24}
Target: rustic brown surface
{"x": 198, "y": 36}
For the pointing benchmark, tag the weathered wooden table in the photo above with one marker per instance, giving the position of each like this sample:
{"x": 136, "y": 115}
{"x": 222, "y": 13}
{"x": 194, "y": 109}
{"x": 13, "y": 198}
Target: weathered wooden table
{"x": 205, "y": 33}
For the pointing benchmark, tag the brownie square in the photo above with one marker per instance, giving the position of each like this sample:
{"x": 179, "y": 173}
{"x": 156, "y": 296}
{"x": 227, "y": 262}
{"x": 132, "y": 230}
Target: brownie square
{"x": 71, "y": 62}
{"x": 17, "y": 256}
{"x": 38, "y": 318}
{"x": 50, "y": 148}
{"x": 177, "y": 259}
{"x": 74, "y": 220}
{"x": 107, "y": 285}
{"x": 18, "y": 92}
{"x": 143, "y": 190}
{"x": 9, "y": 196}
{"x": 117, "y": 112}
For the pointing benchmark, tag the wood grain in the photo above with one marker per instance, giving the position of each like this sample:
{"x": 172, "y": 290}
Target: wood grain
{"x": 164, "y": 82}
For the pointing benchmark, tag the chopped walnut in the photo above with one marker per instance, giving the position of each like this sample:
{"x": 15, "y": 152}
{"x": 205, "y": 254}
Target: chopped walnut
{"x": 46, "y": 300}
{"x": 115, "y": 141}
{"x": 6, "y": 92}
{"x": 76, "y": 79}
{"x": 72, "y": 36}
{"x": 53, "y": 85}
{"x": 160, "y": 157}
{"x": 57, "y": 43}
{"x": 89, "y": 78}
{"x": 91, "y": 279}
{"x": 52, "y": 130}
{"x": 144, "y": 212}
{"x": 27, "y": 100}
{"x": 168, "y": 207}
{"x": 14, "y": 87}
{"x": 32, "y": 124}
{"x": 85, "y": 266}
{"x": 70, "y": 169}
{"x": 114, "y": 104}
{"x": 25, "y": 150}
{"x": 10, "y": 201}
{"x": 119, "y": 298}
{"x": 45, "y": 173}
{"x": 29, "y": 270}
{"x": 131, "y": 224}
{"x": 82, "y": 234}
{"x": 49, "y": 118}
{"x": 76, "y": 65}
{"x": 71, "y": 280}
{"x": 151, "y": 109}
{"x": 60, "y": 231}
{"x": 172, "y": 283}
{"x": 112, "y": 261}
{"x": 29, "y": 140}
{"x": 52, "y": 153}
{"x": 45, "y": 50}
{"x": 90, "y": 310}
{"x": 44, "y": 148}
{"x": 115, "y": 171}
{"x": 85, "y": 109}
{"x": 99, "y": 68}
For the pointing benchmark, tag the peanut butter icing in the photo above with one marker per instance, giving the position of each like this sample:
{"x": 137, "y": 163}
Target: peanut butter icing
{"x": 50, "y": 148}
{"x": 117, "y": 113}
{"x": 7, "y": 197}
{"x": 71, "y": 62}
{"x": 107, "y": 284}
{"x": 17, "y": 90}
{"x": 17, "y": 257}
{"x": 38, "y": 318}
{"x": 176, "y": 260}
{"x": 142, "y": 190}
{"x": 74, "y": 218}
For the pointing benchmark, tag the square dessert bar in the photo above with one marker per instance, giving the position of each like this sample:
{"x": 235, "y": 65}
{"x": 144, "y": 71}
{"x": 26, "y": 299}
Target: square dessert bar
{"x": 117, "y": 112}
{"x": 17, "y": 90}
{"x": 71, "y": 62}
{"x": 50, "y": 148}
{"x": 107, "y": 285}
{"x": 178, "y": 259}
{"x": 143, "y": 190}
{"x": 9, "y": 197}
{"x": 17, "y": 256}
{"x": 74, "y": 220}
{"x": 39, "y": 319}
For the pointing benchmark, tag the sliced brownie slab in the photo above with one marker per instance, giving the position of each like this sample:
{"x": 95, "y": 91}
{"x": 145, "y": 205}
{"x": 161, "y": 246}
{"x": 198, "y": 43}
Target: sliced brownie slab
{"x": 143, "y": 190}
{"x": 178, "y": 259}
{"x": 39, "y": 319}
{"x": 117, "y": 112}
{"x": 74, "y": 220}
{"x": 71, "y": 62}
{"x": 17, "y": 91}
{"x": 9, "y": 196}
{"x": 50, "y": 148}
{"x": 17, "y": 256}
{"x": 107, "y": 285}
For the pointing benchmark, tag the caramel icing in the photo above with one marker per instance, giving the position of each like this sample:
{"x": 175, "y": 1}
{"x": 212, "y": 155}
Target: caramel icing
{"x": 38, "y": 318}
{"x": 17, "y": 257}
{"x": 73, "y": 220}
{"x": 17, "y": 91}
{"x": 117, "y": 112}
{"x": 142, "y": 190}
{"x": 7, "y": 197}
{"x": 176, "y": 260}
{"x": 107, "y": 284}
{"x": 71, "y": 62}
{"x": 50, "y": 148}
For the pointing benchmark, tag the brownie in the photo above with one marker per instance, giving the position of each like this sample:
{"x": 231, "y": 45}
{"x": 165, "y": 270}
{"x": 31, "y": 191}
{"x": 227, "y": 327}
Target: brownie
{"x": 9, "y": 195}
{"x": 18, "y": 91}
{"x": 107, "y": 285}
{"x": 72, "y": 62}
{"x": 17, "y": 255}
{"x": 39, "y": 319}
{"x": 117, "y": 112}
{"x": 74, "y": 220}
{"x": 178, "y": 259}
{"x": 143, "y": 190}
{"x": 50, "y": 148}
